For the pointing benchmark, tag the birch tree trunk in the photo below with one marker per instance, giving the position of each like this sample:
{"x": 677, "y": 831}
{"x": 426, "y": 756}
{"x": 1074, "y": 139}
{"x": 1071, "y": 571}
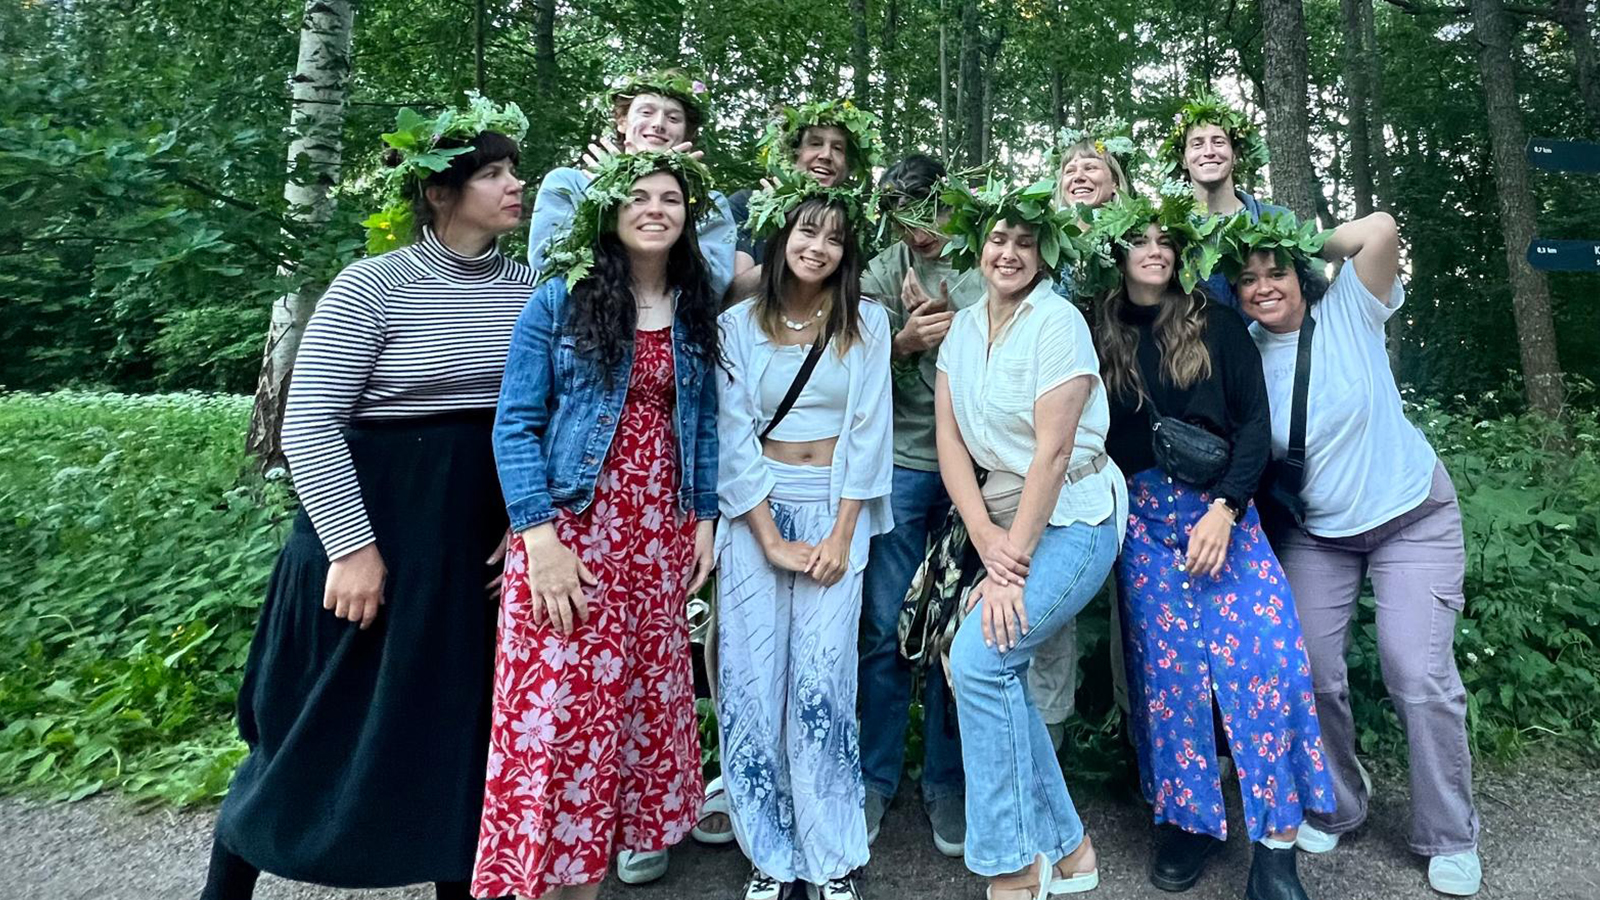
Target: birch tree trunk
{"x": 1536, "y": 334}
{"x": 1284, "y": 59}
{"x": 316, "y": 123}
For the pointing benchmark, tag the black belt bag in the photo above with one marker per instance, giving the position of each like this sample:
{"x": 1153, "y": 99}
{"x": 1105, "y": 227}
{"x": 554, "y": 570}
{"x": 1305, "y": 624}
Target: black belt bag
{"x": 1186, "y": 451}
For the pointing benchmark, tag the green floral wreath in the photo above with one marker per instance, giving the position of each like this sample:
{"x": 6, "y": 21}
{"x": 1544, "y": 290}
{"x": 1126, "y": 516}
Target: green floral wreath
{"x": 689, "y": 91}
{"x": 1175, "y": 211}
{"x": 414, "y": 148}
{"x": 975, "y": 212}
{"x": 770, "y": 207}
{"x": 1110, "y": 136}
{"x": 778, "y": 143}
{"x": 1290, "y": 240}
{"x": 900, "y": 209}
{"x": 572, "y": 252}
{"x": 1206, "y": 108}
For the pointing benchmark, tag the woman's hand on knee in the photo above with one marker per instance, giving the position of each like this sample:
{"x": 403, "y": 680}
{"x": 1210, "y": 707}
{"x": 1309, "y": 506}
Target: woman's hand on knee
{"x": 1002, "y": 614}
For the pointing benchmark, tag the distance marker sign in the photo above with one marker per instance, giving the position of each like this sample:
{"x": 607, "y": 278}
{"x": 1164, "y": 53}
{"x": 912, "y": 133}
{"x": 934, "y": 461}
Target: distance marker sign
{"x": 1564, "y": 156}
{"x": 1564, "y": 256}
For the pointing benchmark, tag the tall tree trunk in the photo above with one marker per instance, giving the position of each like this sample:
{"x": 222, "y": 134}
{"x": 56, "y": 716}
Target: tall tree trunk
{"x": 1574, "y": 18}
{"x": 860, "y": 54}
{"x": 320, "y": 88}
{"x": 1058, "y": 87}
{"x": 891, "y": 81}
{"x": 1357, "y": 92}
{"x": 479, "y": 26}
{"x": 1536, "y": 334}
{"x": 944, "y": 90}
{"x": 969, "y": 94}
{"x": 544, "y": 46}
{"x": 1377, "y": 145}
{"x": 1284, "y": 58}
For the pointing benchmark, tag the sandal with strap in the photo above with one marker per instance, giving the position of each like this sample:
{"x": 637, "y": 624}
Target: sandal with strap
{"x": 1077, "y": 882}
{"x": 1038, "y": 880}
{"x": 716, "y": 804}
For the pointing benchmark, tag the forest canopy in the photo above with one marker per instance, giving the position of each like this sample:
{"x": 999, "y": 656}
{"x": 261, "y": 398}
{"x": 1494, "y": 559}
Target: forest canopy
{"x": 142, "y": 142}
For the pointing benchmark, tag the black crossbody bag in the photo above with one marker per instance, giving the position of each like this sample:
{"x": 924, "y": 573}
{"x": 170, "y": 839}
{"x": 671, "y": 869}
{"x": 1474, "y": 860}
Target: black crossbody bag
{"x": 1186, "y": 451}
{"x": 797, "y": 385}
{"x": 1278, "y": 498}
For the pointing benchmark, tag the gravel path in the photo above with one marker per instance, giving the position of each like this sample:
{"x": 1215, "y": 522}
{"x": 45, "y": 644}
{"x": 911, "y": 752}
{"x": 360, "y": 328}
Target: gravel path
{"x": 1541, "y": 840}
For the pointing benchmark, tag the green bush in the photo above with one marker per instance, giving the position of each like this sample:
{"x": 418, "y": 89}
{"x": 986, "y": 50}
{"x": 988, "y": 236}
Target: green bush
{"x": 132, "y": 559}
{"x": 137, "y": 545}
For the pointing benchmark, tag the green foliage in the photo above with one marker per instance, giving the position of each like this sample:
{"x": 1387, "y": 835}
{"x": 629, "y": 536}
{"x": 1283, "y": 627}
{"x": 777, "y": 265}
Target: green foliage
{"x": 974, "y": 212}
{"x": 133, "y": 556}
{"x": 770, "y": 207}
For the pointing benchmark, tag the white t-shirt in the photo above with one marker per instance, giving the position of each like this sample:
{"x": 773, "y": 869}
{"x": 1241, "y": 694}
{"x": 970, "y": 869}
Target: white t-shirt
{"x": 1045, "y": 345}
{"x": 1365, "y": 463}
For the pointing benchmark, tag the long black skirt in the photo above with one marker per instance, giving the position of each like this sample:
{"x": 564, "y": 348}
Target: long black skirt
{"x": 368, "y": 748}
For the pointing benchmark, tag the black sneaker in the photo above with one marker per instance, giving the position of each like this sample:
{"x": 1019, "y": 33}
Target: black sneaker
{"x": 1179, "y": 857}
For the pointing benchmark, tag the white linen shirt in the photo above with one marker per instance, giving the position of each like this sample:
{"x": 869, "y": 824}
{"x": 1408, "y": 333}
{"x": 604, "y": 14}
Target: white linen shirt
{"x": 993, "y": 390}
{"x": 863, "y": 458}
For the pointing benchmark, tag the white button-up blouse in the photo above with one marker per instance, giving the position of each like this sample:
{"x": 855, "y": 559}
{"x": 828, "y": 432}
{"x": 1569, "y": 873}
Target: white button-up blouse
{"x": 863, "y": 459}
{"x": 993, "y": 390}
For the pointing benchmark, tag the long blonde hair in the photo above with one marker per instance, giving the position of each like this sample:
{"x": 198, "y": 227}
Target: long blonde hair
{"x": 1080, "y": 150}
{"x": 1179, "y": 330}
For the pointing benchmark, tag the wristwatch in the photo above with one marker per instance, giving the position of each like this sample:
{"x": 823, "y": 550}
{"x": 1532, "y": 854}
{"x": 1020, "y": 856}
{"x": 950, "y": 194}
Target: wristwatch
{"x": 1233, "y": 508}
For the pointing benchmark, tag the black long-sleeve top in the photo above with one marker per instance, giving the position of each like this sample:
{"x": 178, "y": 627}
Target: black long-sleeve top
{"x": 1231, "y": 402}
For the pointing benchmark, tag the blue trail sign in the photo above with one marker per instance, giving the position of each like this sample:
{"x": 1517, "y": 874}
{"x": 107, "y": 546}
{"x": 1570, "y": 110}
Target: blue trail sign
{"x": 1564, "y": 156}
{"x": 1564, "y": 256}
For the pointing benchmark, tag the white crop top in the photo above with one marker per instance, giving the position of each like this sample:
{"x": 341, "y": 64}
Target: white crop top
{"x": 818, "y": 413}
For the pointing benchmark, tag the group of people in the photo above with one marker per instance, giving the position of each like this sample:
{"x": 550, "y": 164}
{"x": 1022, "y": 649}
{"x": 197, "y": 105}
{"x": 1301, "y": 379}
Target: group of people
{"x": 474, "y": 665}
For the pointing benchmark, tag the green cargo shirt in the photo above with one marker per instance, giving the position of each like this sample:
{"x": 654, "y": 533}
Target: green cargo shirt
{"x": 914, "y": 446}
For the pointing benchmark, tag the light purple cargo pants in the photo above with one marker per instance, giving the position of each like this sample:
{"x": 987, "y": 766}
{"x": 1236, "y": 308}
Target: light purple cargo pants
{"x": 1417, "y": 561}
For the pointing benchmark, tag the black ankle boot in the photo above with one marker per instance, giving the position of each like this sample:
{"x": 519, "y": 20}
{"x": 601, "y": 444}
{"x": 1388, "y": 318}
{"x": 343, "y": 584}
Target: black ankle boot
{"x": 1274, "y": 876}
{"x": 1179, "y": 858}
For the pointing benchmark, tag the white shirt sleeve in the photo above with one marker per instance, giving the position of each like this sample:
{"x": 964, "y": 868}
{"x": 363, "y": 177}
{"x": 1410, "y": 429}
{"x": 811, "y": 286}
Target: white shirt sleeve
{"x": 743, "y": 477}
{"x": 869, "y": 439}
{"x": 1065, "y": 349}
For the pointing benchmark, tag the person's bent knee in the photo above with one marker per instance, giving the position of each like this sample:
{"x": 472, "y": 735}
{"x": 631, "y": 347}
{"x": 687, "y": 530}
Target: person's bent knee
{"x": 971, "y": 660}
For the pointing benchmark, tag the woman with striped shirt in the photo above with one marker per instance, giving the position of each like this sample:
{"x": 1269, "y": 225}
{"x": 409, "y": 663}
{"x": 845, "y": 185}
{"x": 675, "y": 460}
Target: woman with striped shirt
{"x": 365, "y": 700}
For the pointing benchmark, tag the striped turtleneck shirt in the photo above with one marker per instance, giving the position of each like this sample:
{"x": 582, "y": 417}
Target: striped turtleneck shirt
{"x": 413, "y": 332}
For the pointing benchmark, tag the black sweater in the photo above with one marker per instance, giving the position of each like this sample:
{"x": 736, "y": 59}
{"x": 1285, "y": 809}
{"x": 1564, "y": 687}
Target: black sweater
{"x": 1232, "y": 402}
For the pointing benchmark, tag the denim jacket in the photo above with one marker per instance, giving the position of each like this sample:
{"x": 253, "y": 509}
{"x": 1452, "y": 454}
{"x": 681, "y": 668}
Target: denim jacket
{"x": 557, "y": 417}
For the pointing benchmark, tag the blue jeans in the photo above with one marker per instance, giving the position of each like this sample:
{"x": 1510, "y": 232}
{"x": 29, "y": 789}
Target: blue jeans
{"x": 1017, "y": 801}
{"x": 884, "y": 686}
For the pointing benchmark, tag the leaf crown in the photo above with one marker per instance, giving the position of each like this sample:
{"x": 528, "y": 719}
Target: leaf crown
{"x": 1291, "y": 241}
{"x": 571, "y": 253}
{"x": 1174, "y": 210}
{"x": 673, "y": 83}
{"x": 974, "y": 212}
{"x": 778, "y": 143}
{"x": 770, "y": 207}
{"x": 414, "y": 154}
{"x": 1109, "y": 135}
{"x": 1207, "y": 108}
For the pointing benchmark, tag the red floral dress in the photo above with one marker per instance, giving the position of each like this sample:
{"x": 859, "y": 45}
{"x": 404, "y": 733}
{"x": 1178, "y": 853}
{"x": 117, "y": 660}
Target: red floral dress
{"x": 594, "y": 735}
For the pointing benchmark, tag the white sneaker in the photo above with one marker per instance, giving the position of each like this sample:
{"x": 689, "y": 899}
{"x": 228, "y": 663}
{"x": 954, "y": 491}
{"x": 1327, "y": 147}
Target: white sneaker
{"x": 1457, "y": 874}
{"x": 1315, "y": 840}
{"x": 640, "y": 868}
{"x": 759, "y": 886}
{"x": 835, "y": 889}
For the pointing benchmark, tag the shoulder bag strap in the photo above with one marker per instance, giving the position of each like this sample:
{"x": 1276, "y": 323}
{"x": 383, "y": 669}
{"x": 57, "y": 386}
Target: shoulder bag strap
{"x": 797, "y": 385}
{"x": 1294, "y": 469}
